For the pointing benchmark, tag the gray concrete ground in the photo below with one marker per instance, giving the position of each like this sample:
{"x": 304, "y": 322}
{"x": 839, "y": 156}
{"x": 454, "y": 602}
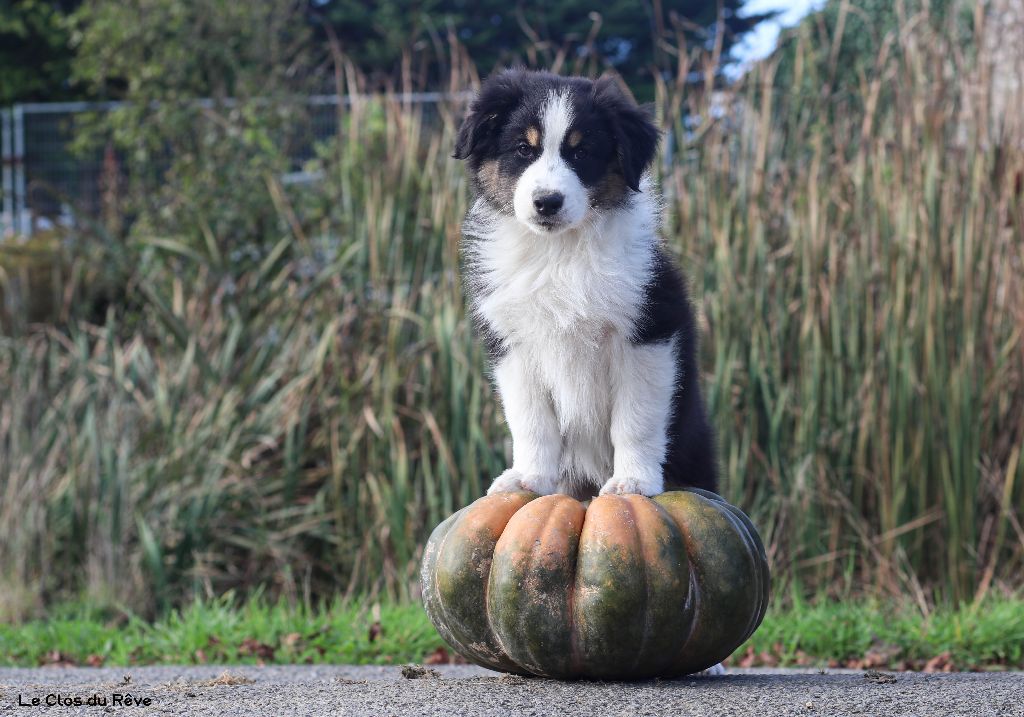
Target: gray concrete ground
{"x": 462, "y": 690}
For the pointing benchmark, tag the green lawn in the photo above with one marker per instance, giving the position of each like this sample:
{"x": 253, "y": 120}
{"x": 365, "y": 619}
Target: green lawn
{"x": 880, "y": 635}
{"x": 990, "y": 636}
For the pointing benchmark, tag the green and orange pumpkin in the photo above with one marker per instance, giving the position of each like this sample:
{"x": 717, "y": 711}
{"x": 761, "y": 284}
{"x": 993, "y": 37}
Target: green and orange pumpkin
{"x": 622, "y": 587}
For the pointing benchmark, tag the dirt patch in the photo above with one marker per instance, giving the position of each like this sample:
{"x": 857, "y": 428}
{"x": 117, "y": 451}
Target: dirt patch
{"x": 419, "y": 672}
{"x": 881, "y": 678}
{"x": 225, "y": 679}
{"x": 506, "y": 679}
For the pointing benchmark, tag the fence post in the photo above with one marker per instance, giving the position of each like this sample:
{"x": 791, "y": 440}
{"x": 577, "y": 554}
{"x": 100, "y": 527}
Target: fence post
{"x": 23, "y": 221}
{"x": 7, "y": 215}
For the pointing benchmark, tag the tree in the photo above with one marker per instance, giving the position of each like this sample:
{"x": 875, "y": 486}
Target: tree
{"x": 35, "y": 58}
{"x": 627, "y": 36}
{"x": 382, "y": 39}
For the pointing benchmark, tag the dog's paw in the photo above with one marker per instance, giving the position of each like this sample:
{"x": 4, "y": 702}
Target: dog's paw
{"x": 542, "y": 485}
{"x": 626, "y": 486}
{"x": 513, "y": 480}
{"x": 509, "y": 481}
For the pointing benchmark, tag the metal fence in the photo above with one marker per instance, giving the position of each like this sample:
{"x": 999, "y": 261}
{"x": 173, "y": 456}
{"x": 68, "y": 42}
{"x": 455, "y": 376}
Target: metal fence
{"x": 48, "y": 182}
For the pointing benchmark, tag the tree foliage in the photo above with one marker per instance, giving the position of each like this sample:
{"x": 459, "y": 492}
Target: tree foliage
{"x": 199, "y": 172}
{"x": 849, "y": 39}
{"x": 35, "y": 57}
{"x": 42, "y": 42}
{"x": 625, "y": 35}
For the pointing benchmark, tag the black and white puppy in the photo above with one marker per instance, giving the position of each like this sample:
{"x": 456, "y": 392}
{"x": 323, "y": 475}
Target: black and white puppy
{"x": 586, "y": 320}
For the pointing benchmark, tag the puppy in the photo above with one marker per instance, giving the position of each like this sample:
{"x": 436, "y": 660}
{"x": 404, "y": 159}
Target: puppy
{"x": 586, "y": 321}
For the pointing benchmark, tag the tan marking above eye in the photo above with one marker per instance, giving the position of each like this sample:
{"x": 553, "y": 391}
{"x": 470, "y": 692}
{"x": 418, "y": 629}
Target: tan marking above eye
{"x": 575, "y": 137}
{"x": 533, "y": 136}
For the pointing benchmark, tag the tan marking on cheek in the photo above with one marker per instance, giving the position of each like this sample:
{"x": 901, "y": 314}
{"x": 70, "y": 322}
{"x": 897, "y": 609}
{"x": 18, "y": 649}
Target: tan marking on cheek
{"x": 609, "y": 192}
{"x": 493, "y": 183}
{"x": 575, "y": 137}
{"x": 489, "y": 176}
{"x": 533, "y": 136}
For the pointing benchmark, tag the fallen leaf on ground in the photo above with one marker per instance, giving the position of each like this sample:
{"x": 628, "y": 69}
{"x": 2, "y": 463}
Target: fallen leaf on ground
{"x": 255, "y": 648}
{"x": 747, "y": 660}
{"x": 438, "y": 657}
{"x": 56, "y": 658}
{"x": 942, "y": 662}
{"x": 375, "y": 631}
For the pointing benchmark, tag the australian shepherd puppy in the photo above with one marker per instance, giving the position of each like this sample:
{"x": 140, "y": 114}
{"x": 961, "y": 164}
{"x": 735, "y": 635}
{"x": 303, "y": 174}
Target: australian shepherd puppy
{"x": 586, "y": 320}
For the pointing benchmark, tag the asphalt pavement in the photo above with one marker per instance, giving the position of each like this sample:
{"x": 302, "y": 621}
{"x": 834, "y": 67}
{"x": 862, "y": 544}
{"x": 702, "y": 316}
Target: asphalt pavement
{"x": 464, "y": 690}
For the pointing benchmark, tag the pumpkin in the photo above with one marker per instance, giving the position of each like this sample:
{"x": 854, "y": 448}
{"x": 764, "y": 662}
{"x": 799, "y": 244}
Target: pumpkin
{"x": 620, "y": 587}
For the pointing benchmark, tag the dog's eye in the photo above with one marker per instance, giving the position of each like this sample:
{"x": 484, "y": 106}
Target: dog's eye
{"x": 579, "y": 153}
{"x": 524, "y": 150}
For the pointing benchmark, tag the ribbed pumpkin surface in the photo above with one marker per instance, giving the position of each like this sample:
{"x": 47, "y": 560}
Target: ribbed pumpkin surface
{"x": 626, "y": 587}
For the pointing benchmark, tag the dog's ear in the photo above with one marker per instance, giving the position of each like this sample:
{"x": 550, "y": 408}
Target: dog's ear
{"x": 499, "y": 94}
{"x": 636, "y": 137}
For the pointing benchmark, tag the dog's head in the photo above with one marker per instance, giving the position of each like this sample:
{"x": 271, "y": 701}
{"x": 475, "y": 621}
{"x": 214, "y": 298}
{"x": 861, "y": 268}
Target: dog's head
{"x": 549, "y": 150}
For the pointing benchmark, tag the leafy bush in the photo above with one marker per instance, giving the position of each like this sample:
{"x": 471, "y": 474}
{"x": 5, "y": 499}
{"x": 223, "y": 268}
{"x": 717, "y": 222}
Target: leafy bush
{"x": 216, "y": 104}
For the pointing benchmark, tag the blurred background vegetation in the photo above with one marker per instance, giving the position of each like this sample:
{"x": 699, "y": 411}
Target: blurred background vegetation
{"x": 230, "y": 381}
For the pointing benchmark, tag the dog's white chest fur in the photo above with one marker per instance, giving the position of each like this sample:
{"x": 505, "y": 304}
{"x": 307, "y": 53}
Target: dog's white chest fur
{"x": 566, "y": 306}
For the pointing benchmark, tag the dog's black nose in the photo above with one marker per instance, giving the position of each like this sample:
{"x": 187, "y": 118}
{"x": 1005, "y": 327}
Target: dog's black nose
{"x": 548, "y": 204}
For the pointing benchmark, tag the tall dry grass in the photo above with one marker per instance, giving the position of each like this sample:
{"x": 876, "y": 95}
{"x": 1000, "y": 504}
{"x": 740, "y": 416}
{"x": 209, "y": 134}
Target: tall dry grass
{"x": 859, "y": 258}
{"x": 857, "y": 261}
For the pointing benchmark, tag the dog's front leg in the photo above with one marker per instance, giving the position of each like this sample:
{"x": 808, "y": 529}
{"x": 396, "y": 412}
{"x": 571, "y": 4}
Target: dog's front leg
{"x": 536, "y": 441}
{"x": 641, "y": 410}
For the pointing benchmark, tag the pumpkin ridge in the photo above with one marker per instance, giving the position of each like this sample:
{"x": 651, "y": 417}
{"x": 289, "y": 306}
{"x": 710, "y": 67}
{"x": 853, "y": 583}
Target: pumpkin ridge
{"x": 442, "y": 604}
{"x": 470, "y": 522}
{"x": 487, "y": 598}
{"x": 655, "y": 530}
{"x": 694, "y": 598}
{"x": 487, "y": 588}
{"x": 428, "y": 578}
{"x": 648, "y": 614}
{"x": 754, "y": 549}
{"x": 536, "y": 558}
{"x": 761, "y": 570}
{"x": 740, "y": 528}
{"x": 528, "y": 599}
{"x": 696, "y": 515}
{"x": 575, "y": 653}
{"x": 695, "y": 592}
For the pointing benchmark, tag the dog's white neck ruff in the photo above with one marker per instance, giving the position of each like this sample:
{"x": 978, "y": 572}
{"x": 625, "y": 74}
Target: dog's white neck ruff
{"x": 578, "y": 283}
{"x": 575, "y": 285}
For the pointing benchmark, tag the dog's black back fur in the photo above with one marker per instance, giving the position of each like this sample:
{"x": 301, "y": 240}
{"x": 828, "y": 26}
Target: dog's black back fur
{"x": 690, "y": 460}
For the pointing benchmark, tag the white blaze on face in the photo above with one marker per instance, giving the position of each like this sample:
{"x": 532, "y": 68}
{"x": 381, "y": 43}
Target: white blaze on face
{"x": 550, "y": 174}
